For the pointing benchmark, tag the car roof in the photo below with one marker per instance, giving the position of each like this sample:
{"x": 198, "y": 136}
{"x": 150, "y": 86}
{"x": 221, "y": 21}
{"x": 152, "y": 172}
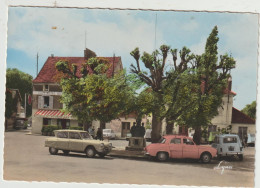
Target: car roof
{"x": 69, "y": 130}
{"x": 227, "y": 135}
{"x": 176, "y": 136}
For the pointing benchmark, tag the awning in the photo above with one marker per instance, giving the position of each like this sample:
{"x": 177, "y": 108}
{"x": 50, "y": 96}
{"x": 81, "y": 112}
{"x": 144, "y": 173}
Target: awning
{"x": 53, "y": 114}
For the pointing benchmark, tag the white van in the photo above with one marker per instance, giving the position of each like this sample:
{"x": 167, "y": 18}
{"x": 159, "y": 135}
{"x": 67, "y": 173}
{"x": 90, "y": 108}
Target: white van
{"x": 228, "y": 145}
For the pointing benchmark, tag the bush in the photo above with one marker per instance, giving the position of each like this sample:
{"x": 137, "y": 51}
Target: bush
{"x": 76, "y": 128}
{"x": 49, "y": 128}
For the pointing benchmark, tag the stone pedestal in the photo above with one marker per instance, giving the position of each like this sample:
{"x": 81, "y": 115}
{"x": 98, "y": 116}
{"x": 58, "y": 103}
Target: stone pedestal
{"x": 136, "y": 144}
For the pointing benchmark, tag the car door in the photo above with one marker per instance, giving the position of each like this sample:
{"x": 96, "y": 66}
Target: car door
{"x": 190, "y": 149}
{"x": 63, "y": 140}
{"x": 75, "y": 142}
{"x": 175, "y": 148}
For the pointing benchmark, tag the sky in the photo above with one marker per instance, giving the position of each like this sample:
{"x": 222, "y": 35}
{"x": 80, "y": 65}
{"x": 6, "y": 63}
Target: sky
{"x": 108, "y": 32}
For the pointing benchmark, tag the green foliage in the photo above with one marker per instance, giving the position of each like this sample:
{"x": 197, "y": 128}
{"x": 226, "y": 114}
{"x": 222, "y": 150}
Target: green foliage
{"x": 11, "y": 105}
{"x": 250, "y": 110}
{"x": 96, "y": 96}
{"x": 49, "y": 128}
{"x": 16, "y": 79}
{"x": 76, "y": 128}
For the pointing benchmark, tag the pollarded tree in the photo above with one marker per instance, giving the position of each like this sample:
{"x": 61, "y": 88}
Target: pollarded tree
{"x": 156, "y": 78}
{"x": 95, "y": 95}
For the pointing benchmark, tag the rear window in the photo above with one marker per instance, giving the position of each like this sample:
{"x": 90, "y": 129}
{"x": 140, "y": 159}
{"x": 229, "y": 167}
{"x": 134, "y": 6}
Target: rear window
{"x": 230, "y": 140}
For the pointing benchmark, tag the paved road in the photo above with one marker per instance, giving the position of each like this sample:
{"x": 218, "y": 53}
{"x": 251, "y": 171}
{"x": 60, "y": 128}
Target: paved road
{"x": 26, "y": 158}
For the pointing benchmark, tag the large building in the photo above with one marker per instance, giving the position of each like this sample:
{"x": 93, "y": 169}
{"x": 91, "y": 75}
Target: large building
{"x": 46, "y": 105}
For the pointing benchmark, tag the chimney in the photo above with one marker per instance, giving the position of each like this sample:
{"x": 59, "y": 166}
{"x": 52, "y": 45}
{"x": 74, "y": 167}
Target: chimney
{"x": 229, "y": 83}
{"x": 52, "y": 55}
{"x": 89, "y": 54}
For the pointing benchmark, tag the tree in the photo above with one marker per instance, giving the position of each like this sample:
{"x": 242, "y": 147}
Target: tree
{"x": 211, "y": 77}
{"x": 95, "y": 95}
{"x": 16, "y": 79}
{"x": 250, "y": 110}
{"x": 156, "y": 78}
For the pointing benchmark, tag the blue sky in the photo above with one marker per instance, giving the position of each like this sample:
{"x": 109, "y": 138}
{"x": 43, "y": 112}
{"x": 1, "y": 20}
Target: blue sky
{"x": 120, "y": 31}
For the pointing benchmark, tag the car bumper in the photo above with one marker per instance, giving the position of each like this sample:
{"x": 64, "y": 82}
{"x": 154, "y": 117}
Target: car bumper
{"x": 104, "y": 150}
{"x": 230, "y": 153}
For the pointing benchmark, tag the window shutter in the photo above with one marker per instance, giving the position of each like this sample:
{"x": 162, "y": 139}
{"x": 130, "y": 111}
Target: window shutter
{"x": 40, "y": 102}
{"x": 51, "y": 102}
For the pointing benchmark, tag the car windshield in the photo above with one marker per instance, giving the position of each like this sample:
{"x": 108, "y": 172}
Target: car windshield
{"x": 85, "y": 135}
{"x": 162, "y": 140}
{"x": 106, "y": 131}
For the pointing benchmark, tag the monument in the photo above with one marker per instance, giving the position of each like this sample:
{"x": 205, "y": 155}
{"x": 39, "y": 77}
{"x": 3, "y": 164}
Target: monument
{"x": 137, "y": 141}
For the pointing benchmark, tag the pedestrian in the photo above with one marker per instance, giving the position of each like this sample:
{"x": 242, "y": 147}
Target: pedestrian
{"x": 99, "y": 134}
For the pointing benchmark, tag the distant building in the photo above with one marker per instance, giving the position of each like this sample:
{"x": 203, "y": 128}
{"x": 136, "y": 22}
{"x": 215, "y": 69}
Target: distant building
{"x": 229, "y": 118}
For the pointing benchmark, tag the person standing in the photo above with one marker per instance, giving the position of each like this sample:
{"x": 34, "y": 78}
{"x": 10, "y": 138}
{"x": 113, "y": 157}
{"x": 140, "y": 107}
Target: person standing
{"x": 99, "y": 134}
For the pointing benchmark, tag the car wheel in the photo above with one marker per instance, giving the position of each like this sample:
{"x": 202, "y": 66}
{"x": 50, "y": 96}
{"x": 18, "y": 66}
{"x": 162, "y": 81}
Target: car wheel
{"x": 241, "y": 157}
{"x": 90, "y": 152}
{"x": 53, "y": 151}
{"x": 162, "y": 156}
{"x": 66, "y": 152}
{"x": 205, "y": 157}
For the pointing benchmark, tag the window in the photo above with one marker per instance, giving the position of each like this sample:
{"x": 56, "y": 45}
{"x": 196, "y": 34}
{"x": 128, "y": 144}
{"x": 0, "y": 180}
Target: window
{"x": 46, "y": 88}
{"x": 230, "y": 140}
{"x": 62, "y": 135}
{"x": 46, "y": 121}
{"x": 176, "y": 141}
{"x": 85, "y": 135}
{"x": 46, "y": 100}
{"x": 162, "y": 140}
{"x": 74, "y": 135}
{"x": 188, "y": 141}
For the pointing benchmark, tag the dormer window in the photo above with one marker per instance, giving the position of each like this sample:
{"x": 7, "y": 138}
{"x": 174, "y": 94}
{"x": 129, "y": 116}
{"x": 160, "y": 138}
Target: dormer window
{"x": 46, "y": 88}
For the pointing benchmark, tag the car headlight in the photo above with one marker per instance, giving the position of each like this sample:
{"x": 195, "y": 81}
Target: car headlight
{"x": 102, "y": 145}
{"x": 110, "y": 144}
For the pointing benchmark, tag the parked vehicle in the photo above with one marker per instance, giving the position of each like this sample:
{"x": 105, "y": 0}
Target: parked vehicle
{"x": 228, "y": 145}
{"x": 77, "y": 141}
{"x": 109, "y": 133}
{"x": 178, "y": 146}
{"x": 250, "y": 139}
{"x": 147, "y": 135}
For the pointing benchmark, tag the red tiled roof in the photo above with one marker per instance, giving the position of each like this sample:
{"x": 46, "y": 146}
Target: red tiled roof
{"x": 229, "y": 92}
{"x": 48, "y": 71}
{"x": 240, "y": 117}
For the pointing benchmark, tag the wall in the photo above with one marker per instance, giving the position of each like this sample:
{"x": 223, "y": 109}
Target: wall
{"x": 251, "y": 128}
{"x": 224, "y": 117}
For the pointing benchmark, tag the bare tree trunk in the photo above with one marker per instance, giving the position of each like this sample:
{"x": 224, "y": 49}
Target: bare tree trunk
{"x": 169, "y": 126}
{"x": 86, "y": 125}
{"x": 156, "y": 128}
{"x": 197, "y": 135}
{"x": 102, "y": 125}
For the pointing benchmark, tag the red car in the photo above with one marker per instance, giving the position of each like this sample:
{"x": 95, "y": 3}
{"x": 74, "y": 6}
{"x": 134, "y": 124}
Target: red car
{"x": 176, "y": 146}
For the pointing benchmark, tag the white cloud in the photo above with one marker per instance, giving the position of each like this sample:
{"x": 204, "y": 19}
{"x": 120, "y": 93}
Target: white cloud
{"x": 33, "y": 32}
